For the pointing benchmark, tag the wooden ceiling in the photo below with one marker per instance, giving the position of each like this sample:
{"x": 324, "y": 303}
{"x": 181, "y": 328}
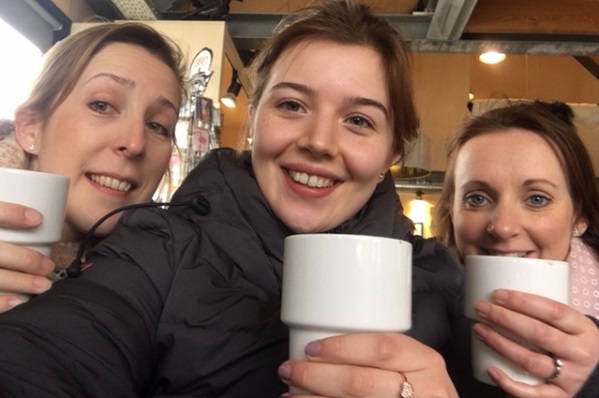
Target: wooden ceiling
{"x": 548, "y": 27}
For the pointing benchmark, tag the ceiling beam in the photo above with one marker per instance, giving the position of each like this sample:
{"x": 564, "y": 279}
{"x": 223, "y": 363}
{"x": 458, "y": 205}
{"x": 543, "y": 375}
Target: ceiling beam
{"x": 582, "y": 49}
{"x": 590, "y": 64}
{"x": 449, "y": 19}
{"x": 249, "y": 31}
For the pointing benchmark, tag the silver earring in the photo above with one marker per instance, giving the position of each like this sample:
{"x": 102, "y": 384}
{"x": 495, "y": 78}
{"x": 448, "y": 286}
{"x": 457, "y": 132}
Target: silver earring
{"x": 381, "y": 176}
{"x": 575, "y": 233}
{"x": 31, "y": 147}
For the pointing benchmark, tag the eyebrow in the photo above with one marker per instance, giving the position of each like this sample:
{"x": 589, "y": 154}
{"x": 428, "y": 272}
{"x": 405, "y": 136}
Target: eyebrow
{"x": 532, "y": 181}
{"x": 116, "y": 78}
{"x": 163, "y": 101}
{"x": 486, "y": 185}
{"x": 351, "y": 100}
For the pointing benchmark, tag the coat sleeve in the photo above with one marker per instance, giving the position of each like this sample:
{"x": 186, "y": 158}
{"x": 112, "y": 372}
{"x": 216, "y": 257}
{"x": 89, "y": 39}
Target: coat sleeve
{"x": 591, "y": 386}
{"x": 94, "y": 336}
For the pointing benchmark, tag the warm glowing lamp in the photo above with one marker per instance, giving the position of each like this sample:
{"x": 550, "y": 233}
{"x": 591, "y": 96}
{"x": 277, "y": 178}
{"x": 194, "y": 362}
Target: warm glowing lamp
{"x": 491, "y": 57}
{"x": 419, "y": 211}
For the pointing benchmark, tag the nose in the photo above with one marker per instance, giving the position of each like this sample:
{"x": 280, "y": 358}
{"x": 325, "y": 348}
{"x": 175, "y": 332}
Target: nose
{"x": 321, "y": 137}
{"x": 131, "y": 140}
{"x": 505, "y": 221}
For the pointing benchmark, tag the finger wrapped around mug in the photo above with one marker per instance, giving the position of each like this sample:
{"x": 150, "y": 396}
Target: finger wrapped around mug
{"x": 22, "y": 273}
{"x": 566, "y": 341}
{"x": 370, "y": 365}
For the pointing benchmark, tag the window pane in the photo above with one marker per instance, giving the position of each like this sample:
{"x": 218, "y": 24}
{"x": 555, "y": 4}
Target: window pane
{"x": 20, "y": 62}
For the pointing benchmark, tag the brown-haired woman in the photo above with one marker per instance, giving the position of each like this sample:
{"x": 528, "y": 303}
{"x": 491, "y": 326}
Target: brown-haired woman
{"x": 520, "y": 182}
{"x": 187, "y": 301}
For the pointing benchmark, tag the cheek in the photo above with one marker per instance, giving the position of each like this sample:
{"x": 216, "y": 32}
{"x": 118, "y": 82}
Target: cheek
{"x": 365, "y": 163}
{"x": 467, "y": 228}
{"x": 553, "y": 237}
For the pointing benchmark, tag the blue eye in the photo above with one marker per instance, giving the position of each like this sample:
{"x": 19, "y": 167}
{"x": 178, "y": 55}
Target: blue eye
{"x": 475, "y": 200}
{"x": 100, "y": 106}
{"x": 538, "y": 200}
{"x": 159, "y": 128}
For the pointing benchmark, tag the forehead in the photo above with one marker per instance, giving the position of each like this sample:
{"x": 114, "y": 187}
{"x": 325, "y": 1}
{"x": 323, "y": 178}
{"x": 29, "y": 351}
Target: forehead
{"x": 514, "y": 153}
{"x": 359, "y": 66}
{"x": 133, "y": 62}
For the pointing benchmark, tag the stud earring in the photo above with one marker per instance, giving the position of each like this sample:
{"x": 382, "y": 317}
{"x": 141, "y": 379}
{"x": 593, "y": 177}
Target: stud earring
{"x": 31, "y": 147}
{"x": 381, "y": 176}
{"x": 575, "y": 233}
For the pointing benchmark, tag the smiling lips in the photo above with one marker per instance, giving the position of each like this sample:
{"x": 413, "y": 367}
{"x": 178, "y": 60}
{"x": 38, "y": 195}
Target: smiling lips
{"x": 310, "y": 180}
{"x": 111, "y": 183}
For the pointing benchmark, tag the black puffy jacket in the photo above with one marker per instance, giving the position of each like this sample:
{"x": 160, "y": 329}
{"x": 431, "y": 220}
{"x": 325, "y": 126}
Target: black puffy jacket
{"x": 186, "y": 304}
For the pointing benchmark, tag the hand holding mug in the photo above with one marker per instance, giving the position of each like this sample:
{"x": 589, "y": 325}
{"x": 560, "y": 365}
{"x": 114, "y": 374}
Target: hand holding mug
{"x": 22, "y": 270}
{"x": 373, "y": 365}
{"x": 559, "y": 331}
{"x": 26, "y": 239}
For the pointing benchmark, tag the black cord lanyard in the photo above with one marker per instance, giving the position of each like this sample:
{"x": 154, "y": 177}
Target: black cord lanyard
{"x": 200, "y": 204}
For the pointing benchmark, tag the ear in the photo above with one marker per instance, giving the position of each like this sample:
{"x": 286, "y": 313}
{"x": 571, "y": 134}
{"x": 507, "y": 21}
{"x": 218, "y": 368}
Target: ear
{"x": 27, "y": 131}
{"x": 581, "y": 225}
{"x": 391, "y": 160}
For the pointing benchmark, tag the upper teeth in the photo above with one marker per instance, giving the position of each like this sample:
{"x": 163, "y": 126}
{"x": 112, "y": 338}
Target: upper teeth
{"x": 311, "y": 181}
{"x": 514, "y": 254}
{"x": 112, "y": 183}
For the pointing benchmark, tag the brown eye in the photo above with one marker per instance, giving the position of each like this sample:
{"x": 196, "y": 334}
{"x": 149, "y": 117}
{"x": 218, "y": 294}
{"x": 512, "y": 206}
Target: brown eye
{"x": 290, "y": 106}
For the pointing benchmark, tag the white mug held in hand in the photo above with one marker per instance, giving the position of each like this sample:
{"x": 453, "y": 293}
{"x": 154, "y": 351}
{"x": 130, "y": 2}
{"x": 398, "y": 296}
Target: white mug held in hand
{"x": 483, "y": 275}
{"x": 44, "y": 192}
{"x": 336, "y": 284}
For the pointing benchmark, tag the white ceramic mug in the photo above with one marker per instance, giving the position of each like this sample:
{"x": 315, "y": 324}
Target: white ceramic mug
{"x": 483, "y": 274}
{"x": 44, "y": 192}
{"x": 335, "y": 284}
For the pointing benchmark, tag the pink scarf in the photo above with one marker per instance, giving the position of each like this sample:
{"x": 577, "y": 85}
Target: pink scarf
{"x": 584, "y": 278}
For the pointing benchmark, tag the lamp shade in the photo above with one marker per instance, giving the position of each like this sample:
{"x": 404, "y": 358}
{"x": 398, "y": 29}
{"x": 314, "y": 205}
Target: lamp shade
{"x": 416, "y": 163}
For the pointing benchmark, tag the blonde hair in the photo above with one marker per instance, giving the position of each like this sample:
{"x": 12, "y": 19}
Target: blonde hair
{"x": 65, "y": 61}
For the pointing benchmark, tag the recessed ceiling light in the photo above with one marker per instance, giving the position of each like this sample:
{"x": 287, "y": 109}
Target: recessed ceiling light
{"x": 491, "y": 57}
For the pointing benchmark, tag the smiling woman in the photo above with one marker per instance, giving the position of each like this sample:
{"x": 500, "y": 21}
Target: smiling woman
{"x": 22, "y": 60}
{"x": 112, "y": 92}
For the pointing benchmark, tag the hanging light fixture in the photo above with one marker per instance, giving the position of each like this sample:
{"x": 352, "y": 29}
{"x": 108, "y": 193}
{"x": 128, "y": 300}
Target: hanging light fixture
{"x": 230, "y": 97}
{"x": 416, "y": 162}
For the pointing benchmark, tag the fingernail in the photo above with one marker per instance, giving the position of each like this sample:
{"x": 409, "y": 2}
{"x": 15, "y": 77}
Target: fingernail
{"x": 313, "y": 348}
{"x": 480, "y": 331}
{"x": 12, "y": 303}
{"x": 284, "y": 371}
{"x": 48, "y": 265}
{"x": 482, "y": 308}
{"x": 42, "y": 283}
{"x": 33, "y": 216}
{"x": 500, "y": 295}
